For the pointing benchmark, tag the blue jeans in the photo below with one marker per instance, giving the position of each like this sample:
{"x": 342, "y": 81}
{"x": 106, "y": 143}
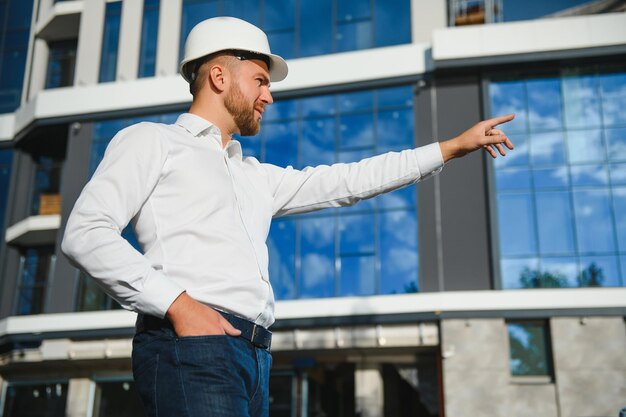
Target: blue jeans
{"x": 200, "y": 375}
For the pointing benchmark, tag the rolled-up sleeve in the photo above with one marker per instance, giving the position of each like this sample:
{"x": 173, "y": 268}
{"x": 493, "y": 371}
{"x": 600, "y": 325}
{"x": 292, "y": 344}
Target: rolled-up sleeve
{"x": 325, "y": 186}
{"x": 132, "y": 166}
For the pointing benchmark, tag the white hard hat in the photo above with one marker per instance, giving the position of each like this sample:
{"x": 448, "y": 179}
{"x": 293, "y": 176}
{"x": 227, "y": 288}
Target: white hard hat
{"x": 229, "y": 33}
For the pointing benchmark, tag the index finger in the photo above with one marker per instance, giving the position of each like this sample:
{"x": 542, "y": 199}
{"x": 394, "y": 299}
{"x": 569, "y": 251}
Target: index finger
{"x": 499, "y": 120}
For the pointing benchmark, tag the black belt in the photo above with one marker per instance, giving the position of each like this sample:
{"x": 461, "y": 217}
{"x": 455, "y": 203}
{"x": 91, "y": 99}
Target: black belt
{"x": 259, "y": 336}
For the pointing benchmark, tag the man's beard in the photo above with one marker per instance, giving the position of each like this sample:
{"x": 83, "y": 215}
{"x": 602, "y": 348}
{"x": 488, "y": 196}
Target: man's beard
{"x": 242, "y": 114}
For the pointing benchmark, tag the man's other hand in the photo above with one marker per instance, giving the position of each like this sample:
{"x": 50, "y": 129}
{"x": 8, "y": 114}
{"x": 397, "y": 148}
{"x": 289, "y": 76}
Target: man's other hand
{"x": 192, "y": 318}
{"x": 481, "y": 135}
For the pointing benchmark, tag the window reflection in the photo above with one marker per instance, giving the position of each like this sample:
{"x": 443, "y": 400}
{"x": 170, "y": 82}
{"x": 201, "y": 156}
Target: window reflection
{"x": 302, "y": 28}
{"x": 369, "y": 248}
{"x": 529, "y": 348}
{"x": 560, "y": 199}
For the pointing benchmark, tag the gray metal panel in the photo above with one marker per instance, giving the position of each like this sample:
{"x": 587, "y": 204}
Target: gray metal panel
{"x": 61, "y": 295}
{"x": 429, "y": 271}
{"x": 18, "y": 208}
{"x": 464, "y": 209}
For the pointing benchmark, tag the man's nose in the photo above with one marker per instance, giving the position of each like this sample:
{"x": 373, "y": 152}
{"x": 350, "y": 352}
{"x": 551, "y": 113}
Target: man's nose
{"x": 266, "y": 96}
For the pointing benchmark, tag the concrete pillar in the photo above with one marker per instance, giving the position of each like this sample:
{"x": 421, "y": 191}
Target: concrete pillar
{"x": 90, "y": 43}
{"x": 369, "y": 394}
{"x": 427, "y": 15}
{"x": 78, "y": 397}
{"x": 39, "y": 67}
{"x": 130, "y": 40}
{"x": 170, "y": 13}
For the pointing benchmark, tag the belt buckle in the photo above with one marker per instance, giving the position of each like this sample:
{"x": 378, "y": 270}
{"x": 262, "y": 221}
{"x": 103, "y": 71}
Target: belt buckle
{"x": 253, "y": 335}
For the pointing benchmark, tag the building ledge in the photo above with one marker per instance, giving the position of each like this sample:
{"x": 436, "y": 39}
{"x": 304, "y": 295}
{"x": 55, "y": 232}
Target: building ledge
{"x": 548, "y": 302}
{"x": 512, "y": 41}
{"x": 62, "y": 21}
{"x": 7, "y": 126}
{"x": 34, "y": 230}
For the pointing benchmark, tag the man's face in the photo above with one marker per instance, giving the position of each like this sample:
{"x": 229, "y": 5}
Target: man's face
{"x": 248, "y": 95}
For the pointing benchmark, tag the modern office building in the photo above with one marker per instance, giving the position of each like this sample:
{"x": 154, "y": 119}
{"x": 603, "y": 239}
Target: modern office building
{"x": 496, "y": 288}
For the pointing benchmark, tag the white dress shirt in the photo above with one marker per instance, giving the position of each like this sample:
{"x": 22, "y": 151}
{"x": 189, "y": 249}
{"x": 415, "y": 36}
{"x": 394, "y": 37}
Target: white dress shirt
{"x": 202, "y": 214}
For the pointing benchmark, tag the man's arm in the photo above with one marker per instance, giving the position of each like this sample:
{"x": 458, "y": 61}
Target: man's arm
{"x": 324, "y": 186}
{"x": 129, "y": 171}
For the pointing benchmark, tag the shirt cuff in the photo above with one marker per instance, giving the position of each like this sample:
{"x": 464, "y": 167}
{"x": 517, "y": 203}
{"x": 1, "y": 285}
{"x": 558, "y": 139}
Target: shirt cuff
{"x": 158, "y": 295}
{"x": 429, "y": 159}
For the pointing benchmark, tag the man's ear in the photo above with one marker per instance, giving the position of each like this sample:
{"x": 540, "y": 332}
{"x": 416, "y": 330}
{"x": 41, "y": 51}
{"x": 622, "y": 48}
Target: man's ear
{"x": 217, "y": 77}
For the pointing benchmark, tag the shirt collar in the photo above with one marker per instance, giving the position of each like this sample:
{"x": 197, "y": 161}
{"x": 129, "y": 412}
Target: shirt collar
{"x": 196, "y": 125}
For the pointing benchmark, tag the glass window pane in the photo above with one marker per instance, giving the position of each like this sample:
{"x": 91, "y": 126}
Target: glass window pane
{"x": 395, "y": 130}
{"x": 316, "y": 33}
{"x": 281, "y": 143}
{"x": 520, "y": 157}
{"x": 544, "y": 104}
{"x": 281, "y": 244}
{"x": 281, "y": 110}
{"x": 616, "y": 141}
{"x": 110, "y": 42}
{"x": 515, "y": 270}
{"x": 528, "y": 344}
{"x": 318, "y": 142}
{"x": 354, "y": 36}
{"x": 516, "y": 220}
{"x": 581, "y": 101}
{"x": 613, "y": 98}
{"x": 513, "y": 179}
{"x": 618, "y": 174}
{"x": 36, "y": 400}
{"x": 510, "y": 97}
{"x": 351, "y": 102}
{"x": 395, "y": 97}
{"x": 318, "y": 106}
{"x": 353, "y": 9}
{"x": 279, "y": 15}
{"x": 588, "y": 175}
{"x": 357, "y": 233}
{"x": 317, "y": 247}
{"x": 619, "y": 209}
{"x": 594, "y": 221}
{"x": 555, "y": 223}
{"x": 547, "y": 148}
{"x": 283, "y": 43}
{"x": 394, "y": 14}
{"x": 248, "y": 10}
{"x": 599, "y": 271}
{"x": 358, "y": 276}
{"x": 398, "y": 252}
{"x": 401, "y": 198}
{"x": 559, "y": 272}
{"x": 586, "y": 146}
{"x": 550, "y": 177}
{"x": 357, "y": 131}
{"x": 149, "y": 32}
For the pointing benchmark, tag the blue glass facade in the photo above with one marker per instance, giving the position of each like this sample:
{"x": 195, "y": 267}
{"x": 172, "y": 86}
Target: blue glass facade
{"x": 299, "y": 28}
{"x": 561, "y": 194}
{"x": 149, "y": 36}
{"x": 36, "y": 263}
{"x": 6, "y": 159}
{"x": 15, "y": 17}
{"x": 110, "y": 41}
{"x": 367, "y": 249}
{"x": 61, "y": 63}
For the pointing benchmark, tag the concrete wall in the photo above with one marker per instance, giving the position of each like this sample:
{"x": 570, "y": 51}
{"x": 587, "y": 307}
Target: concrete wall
{"x": 476, "y": 376}
{"x": 590, "y": 364}
{"x": 589, "y": 357}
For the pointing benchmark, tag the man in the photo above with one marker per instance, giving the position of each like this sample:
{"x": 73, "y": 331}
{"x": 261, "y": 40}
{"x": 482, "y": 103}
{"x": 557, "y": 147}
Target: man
{"x": 202, "y": 213}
